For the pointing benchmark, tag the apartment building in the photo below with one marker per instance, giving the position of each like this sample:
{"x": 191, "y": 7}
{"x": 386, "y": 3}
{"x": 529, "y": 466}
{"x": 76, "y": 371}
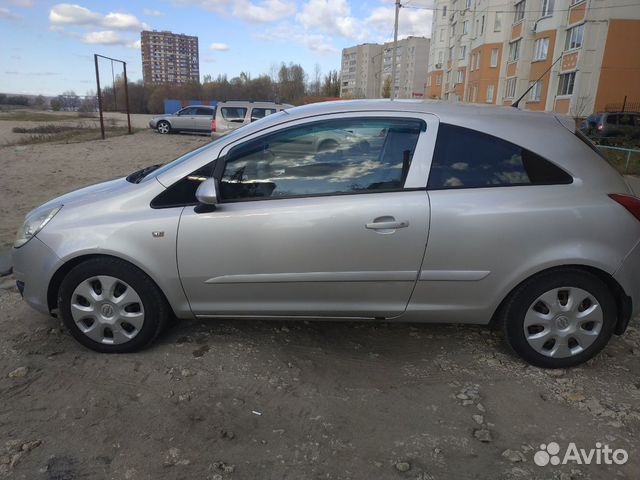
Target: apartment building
{"x": 360, "y": 71}
{"x": 365, "y": 69}
{"x": 169, "y": 58}
{"x": 578, "y": 56}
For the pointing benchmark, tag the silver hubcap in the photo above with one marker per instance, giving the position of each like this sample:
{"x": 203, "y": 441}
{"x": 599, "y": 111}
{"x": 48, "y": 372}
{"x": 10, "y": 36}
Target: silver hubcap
{"x": 563, "y": 322}
{"x": 163, "y": 128}
{"x": 107, "y": 310}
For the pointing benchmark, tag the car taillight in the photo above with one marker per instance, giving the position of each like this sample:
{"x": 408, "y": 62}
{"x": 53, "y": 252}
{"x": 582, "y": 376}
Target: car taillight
{"x": 631, "y": 203}
{"x": 600, "y": 127}
{"x": 213, "y": 125}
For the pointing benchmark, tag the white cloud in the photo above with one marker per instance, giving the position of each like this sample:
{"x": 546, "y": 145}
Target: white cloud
{"x": 105, "y": 37}
{"x": 219, "y": 47}
{"x": 217, "y": 6}
{"x": 122, "y": 21}
{"x": 153, "y": 13}
{"x": 416, "y": 22}
{"x": 265, "y": 11}
{"x": 287, "y": 33}
{"x": 66, "y": 14}
{"x": 22, "y": 3}
{"x": 6, "y": 14}
{"x": 331, "y": 16}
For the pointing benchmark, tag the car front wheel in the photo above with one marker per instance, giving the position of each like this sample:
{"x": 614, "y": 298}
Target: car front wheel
{"x": 111, "y": 306}
{"x": 164, "y": 127}
{"x": 559, "y": 319}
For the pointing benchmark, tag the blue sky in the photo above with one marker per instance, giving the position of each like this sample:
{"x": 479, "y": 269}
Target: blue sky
{"x": 48, "y": 46}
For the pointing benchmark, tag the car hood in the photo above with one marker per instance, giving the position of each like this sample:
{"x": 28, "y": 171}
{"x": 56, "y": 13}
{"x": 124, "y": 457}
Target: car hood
{"x": 88, "y": 194}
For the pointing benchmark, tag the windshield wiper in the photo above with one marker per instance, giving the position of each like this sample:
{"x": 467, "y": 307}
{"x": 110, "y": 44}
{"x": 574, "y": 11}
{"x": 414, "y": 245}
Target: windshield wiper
{"x": 137, "y": 176}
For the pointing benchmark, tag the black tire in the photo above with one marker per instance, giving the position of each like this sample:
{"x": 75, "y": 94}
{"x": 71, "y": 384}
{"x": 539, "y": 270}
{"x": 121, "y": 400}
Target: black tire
{"x": 163, "y": 131}
{"x": 513, "y": 313}
{"x": 327, "y": 145}
{"x": 156, "y": 309}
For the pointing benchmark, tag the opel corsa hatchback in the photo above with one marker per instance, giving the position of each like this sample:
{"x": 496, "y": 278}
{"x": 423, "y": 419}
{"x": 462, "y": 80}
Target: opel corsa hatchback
{"x": 419, "y": 212}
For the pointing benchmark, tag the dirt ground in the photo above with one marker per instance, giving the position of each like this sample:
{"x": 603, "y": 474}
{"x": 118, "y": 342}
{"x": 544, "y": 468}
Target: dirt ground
{"x": 239, "y": 399}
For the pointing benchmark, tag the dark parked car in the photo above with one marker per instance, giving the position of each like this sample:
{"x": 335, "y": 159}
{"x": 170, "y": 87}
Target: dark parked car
{"x": 612, "y": 124}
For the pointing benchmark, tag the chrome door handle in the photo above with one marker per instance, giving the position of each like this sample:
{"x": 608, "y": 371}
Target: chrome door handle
{"x": 387, "y": 225}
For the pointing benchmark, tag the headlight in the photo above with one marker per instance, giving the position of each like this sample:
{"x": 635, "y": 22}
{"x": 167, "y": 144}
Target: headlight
{"x": 33, "y": 224}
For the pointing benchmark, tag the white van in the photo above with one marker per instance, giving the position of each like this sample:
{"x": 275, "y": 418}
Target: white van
{"x": 234, "y": 114}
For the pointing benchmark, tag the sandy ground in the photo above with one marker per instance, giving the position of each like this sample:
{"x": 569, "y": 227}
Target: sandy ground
{"x": 272, "y": 400}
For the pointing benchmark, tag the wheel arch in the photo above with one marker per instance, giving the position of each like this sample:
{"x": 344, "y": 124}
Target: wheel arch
{"x": 66, "y": 267}
{"x": 623, "y": 301}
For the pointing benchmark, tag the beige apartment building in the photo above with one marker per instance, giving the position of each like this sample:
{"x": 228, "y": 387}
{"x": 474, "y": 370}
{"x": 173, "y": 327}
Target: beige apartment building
{"x": 580, "y": 56}
{"x": 169, "y": 58}
{"x": 365, "y": 69}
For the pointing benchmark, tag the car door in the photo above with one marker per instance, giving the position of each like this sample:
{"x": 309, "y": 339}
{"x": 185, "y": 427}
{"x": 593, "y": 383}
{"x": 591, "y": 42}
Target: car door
{"x": 185, "y": 119}
{"x": 203, "y": 119}
{"x": 333, "y": 234}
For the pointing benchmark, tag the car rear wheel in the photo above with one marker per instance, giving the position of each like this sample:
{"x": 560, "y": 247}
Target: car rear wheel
{"x": 164, "y": 127}
{"x": 559, "y": 319}
{"x": 111, "y": 306}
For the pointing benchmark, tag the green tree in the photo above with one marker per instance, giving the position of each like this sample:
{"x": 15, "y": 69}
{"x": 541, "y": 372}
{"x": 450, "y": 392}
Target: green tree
{"x": 386, "y": 87}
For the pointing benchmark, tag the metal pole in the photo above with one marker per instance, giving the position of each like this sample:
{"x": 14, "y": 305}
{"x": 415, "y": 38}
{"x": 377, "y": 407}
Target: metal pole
{"x": 126, "y": 96}
{"x": 395, "y": 46}
{"x": 624, "y": 103}
{"x": 95, "y": 58}
{"x": 626, "y": 167}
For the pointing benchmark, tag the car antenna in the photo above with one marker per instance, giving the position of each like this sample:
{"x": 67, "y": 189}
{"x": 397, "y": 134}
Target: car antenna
{"x": 515, "y": 104}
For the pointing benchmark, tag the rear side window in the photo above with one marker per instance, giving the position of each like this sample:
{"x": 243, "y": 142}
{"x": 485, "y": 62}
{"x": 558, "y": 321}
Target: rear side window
{"x": 205, "y": 111}
{"x": 465, "y": 158}
{"x": 233, "y": 114}
{"x": 258, "y": 113}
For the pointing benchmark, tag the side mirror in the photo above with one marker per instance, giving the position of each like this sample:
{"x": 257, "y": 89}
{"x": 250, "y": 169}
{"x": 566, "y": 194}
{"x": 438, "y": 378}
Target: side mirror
{"x": 207, "y": 192}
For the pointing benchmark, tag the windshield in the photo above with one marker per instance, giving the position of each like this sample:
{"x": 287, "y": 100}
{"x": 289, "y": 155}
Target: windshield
{"x": 240, "y": 132}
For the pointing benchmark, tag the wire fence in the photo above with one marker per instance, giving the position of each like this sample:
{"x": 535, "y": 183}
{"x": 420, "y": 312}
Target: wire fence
{"x": 625, "y": 160}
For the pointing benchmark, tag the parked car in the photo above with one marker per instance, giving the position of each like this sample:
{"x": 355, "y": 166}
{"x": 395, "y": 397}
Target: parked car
{"x": 196, "y": 118}
{"x": 612, "y": 124}
{"x": 234, "y": 114}
{"x": 451, "y": 213}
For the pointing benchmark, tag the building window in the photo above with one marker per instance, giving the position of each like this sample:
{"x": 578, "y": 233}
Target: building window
{"x": 478, "y": 61}
{"x": 468, "y": 4}
{"x": 519, "y": 11}
{"x": 482, "y": 26}
{"x": 440, "y": 55}
{"x": 450, "y": 54}
{"x": 541, "y": 48}
{"x": 444, "y": 11}
{"x": 565, "y": 83}
{"x": 460, "y": 78}
{"x": 536, "y": 91}
{"x": 465, "y": 27}
{"x": 463, "y": 52}
{"x": 514, "y": 51}
{"x": 497, "y": 24}
{"x": 429, "y": 81}
{"x": 510, "y": 88}
{"x": 489, "y": 93}
{"x": 494, "y": 57}
{"x": 442, "y": 34}
{"x": 547, "y": 8}
{"x": 438, "y": 80}
{"x": 574, "y": 37}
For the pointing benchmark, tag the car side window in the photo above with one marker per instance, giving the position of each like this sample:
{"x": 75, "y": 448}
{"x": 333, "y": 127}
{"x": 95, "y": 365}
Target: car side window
{"x": 323, "y": 158}
{"x": 258, "y": 113}
{"x": 187, "y": 111}
{"x": 233, "y": 114}
{"x": 204, "y": 111}
{"x": 465, "y": 158}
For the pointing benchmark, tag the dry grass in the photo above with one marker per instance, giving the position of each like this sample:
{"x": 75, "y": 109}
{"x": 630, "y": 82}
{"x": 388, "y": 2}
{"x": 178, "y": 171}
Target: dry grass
{"x": 69, "y": 135}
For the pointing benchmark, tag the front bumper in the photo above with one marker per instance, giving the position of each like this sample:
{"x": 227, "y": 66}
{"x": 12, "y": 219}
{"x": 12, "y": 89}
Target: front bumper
{"x": 153, "y": 123}
{"x": 33, "y": 266}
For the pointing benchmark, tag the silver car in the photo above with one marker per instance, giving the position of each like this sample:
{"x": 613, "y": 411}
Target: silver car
{"x": 196, "y": 118}
{"x": 447, "y": 213}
